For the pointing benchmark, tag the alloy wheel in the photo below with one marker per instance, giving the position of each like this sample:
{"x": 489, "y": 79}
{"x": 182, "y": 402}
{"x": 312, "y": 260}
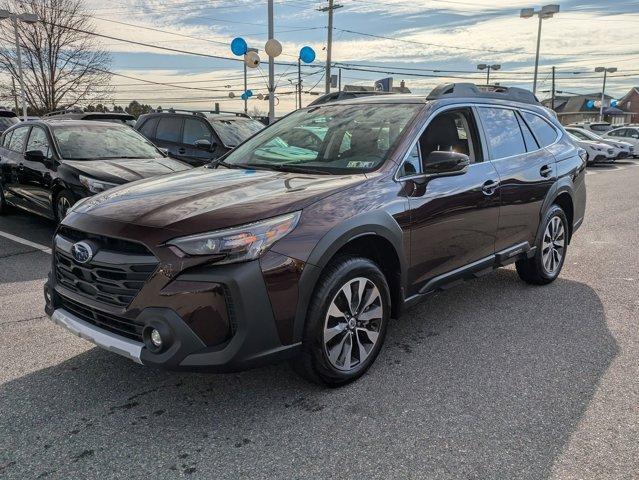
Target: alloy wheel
{"x": 353, "y": 322}
{"x": 63, "y": 204}
{"x": 553, "y": 245}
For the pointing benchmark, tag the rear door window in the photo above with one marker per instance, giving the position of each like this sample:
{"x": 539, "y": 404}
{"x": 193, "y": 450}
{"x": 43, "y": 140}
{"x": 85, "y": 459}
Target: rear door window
{"x": 502, "y": 131}
{"x": 169, "y": 129}
{"x": 543, "y": 131}
{"x": 16, "y": 143}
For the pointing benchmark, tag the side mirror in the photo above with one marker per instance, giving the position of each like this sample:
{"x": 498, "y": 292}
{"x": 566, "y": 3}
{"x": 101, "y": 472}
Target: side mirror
{"x": 34, "y": 156}
{"x": 445, "y": 163}
{"x": 203, "y": 145}
{"x": 164, "y": 151}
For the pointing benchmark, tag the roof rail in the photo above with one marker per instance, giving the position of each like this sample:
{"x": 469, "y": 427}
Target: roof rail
{"x": 470, "y": 90}
{"x": 200, "y": 113}
{"x": 62, "y": 112}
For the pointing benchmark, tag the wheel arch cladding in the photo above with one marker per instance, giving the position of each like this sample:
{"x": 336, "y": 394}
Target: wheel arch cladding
{"x": 374, "y": 235}
{"x": 560, "y": 194}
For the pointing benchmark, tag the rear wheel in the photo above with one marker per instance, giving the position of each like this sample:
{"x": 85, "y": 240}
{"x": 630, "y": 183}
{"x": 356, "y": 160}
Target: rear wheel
{"x": 63, "y": 201}
{"x": 550, "y": 255}
{"x": 346, "y": 322}
{"x": 4, "y": 206}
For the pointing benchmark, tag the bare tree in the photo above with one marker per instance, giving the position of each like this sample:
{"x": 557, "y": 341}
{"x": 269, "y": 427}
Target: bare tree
{"x": 63, "y": 62}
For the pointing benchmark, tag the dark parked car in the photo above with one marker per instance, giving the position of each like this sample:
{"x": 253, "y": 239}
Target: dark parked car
{"x": 306, "y": 252}
{"x": 46, "y": 166}
{"x": 113, "y": 117}
{"x": 7, "y": 119}
{"x": 197, "y": 137}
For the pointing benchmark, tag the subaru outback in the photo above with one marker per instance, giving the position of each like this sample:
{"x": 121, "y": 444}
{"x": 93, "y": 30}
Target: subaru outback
{"x": 303, "y": 248}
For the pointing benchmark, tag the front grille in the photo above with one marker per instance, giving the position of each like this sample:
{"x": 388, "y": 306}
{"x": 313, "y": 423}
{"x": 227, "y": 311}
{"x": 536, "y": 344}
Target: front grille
{"x": 114, "y": 280}
{"x": 106, "y": 243}
{"x": 112, "y": 323}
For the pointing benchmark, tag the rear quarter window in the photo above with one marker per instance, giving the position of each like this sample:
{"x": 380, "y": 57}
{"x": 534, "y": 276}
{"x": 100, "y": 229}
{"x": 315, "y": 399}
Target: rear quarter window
{"x": 543, "y": 131}
{"x": 148, "y": 127}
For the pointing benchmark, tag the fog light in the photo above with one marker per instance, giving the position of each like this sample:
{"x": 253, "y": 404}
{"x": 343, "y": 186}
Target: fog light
{"x": 156, "y": 339}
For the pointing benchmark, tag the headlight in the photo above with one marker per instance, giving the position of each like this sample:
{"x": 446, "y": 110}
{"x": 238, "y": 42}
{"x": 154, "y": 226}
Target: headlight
{"x": 239, "y": 244}
{"x": 96, "y": 186}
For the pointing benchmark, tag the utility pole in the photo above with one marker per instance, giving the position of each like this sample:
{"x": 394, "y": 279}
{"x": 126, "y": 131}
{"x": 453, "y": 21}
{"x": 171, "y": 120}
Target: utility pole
{"x": 271, "y": 68}
{"x": 299, "y": 82}
{"x": 339, "y": 80}
{"x": 552, "y": 98}
{"x": 15, "y": 95}
{"x": 329, "y": 42}
{"x": 606, "y": 71}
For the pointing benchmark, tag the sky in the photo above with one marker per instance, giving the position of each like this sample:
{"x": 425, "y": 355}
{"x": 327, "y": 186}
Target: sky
{"x": 423, "y": 36}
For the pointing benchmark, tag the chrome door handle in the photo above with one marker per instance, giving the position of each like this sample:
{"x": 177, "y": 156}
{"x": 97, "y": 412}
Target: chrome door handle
{"x": 489, "y": 187}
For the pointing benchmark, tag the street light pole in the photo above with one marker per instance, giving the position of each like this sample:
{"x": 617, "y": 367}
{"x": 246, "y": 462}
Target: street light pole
{"x": 271, "y": 68}
{"x": 488, "y": 68}
{"x": 26, "y": 18}
{"x": 606, "y": 71}
{"x": 547, "y": 11}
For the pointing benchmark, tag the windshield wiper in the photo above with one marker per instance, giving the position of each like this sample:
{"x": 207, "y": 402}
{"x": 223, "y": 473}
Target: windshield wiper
{"x": 286, "y": 168}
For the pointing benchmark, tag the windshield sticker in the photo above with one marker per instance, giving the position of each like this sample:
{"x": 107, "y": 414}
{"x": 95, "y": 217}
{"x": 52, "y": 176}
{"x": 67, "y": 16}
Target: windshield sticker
{"x": 355, "y": 164}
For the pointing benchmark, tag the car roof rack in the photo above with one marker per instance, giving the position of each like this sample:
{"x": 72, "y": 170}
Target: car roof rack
{"x": 200, "y": 113}
{"x": 62, "y": 112}
{"x": 470, "y": 90}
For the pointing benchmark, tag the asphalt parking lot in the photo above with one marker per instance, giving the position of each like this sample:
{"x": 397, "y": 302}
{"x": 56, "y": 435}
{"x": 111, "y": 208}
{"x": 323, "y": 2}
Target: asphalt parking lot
{"x": 492, "y": 379}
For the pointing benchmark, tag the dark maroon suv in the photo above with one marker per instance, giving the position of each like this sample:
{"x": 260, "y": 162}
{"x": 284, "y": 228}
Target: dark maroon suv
{"x": 305, "y": 241}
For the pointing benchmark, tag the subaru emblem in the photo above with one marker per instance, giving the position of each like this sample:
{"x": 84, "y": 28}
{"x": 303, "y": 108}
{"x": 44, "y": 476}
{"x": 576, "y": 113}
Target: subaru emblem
{"x": 82, "y": 252}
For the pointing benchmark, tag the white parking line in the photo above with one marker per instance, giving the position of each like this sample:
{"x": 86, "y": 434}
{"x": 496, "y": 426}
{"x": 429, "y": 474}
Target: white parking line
{"x": 26, "y": 242}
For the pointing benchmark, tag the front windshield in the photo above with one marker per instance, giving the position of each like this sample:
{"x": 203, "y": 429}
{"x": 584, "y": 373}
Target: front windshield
{"x": 338, "y": 139}
{"x": 233, "y": 131}
{"x": 100, "y": 141}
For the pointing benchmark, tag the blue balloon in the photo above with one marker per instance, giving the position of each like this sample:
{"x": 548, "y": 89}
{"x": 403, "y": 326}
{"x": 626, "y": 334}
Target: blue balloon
{"x": 248, "y": 93}
{"x": 244, "y": 96}
{"x": 613, "y": 103}
{"x": 307, "y": 55}
{"x": 590, "y": 103}
{"x": 239, "y": 46}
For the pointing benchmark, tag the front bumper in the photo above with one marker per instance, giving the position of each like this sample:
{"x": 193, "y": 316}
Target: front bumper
{"x": 254, "y": 341}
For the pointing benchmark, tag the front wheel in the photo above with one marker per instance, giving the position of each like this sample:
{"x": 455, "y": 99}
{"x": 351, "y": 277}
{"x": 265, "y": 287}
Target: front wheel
{"x": 550, "y": 255}
{"x": 346, "y": 322}
{"x": 3, "y": 201}
{"x": 63, "y": 201}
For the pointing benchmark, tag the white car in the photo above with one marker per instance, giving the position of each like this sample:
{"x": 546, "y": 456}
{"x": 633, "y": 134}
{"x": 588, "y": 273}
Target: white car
{"x": 597, "y": 152}
{"x": 626, "y": 134}
{"x": 623, "y": 149}
{"x": 595, "y": 127}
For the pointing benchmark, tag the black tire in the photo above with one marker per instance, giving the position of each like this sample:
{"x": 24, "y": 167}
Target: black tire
{"x": 59, "y": 205}
{"x": 314, "y": 363}
{"x": 534, "y": 270}
{"x": 4, "y": 207}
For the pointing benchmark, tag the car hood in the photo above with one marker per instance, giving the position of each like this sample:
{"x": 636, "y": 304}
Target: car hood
{"x": 126, "y": 169}
{"x": 205, "y": 199}
{"x": 616, "y": 144}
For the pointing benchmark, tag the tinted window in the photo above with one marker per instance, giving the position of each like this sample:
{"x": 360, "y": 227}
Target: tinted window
{"x": 544, "y": 133}
{"x": 451, "y": 131}
{"x": 579, "y": 134}
{"x": 503, "y": 132}
{"x": 95, "y": 141}
{"x": 529, "y": 139}
{"x": 17, "y": 140}
{"x": 169, "y": 129}
{"x": 148, "y": 128}
{"x": 632, "y": 133}
{"x": 38, "y": 141}
{"x": 195, "y": 130}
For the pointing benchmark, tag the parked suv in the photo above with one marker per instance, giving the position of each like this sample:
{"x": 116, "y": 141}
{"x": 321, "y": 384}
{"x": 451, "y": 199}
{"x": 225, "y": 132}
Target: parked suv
{"x": 197, "y": 137}
{"x": 622, "y": 149}
{"x": 46, "y": 166}
{"x": 307, "y": 252}
{"x": 628, "y": 134}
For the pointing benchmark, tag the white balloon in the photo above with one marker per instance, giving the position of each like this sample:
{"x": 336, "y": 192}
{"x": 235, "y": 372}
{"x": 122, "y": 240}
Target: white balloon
{"x": 252, "y": 59}
{"x": 273, "y": 48}
{"x": 231, "y": 94}
{"x": 260, "y": 96}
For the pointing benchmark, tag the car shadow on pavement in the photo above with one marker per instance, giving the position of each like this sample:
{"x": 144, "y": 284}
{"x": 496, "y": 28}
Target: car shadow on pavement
{"x": 487, "y": 380}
